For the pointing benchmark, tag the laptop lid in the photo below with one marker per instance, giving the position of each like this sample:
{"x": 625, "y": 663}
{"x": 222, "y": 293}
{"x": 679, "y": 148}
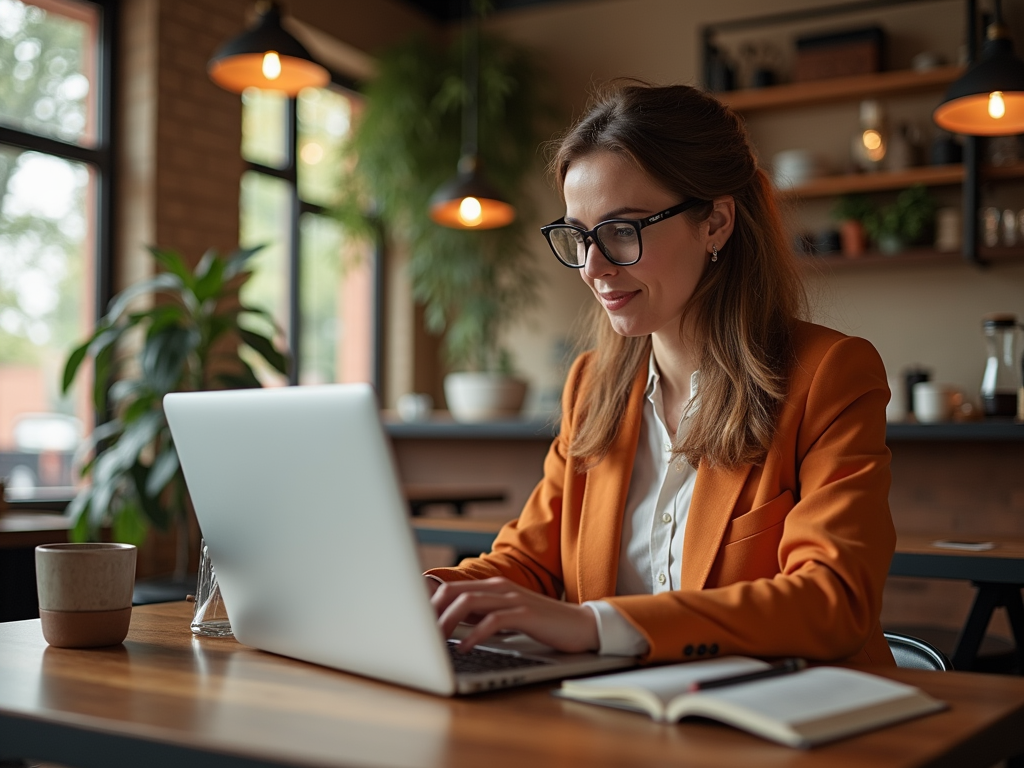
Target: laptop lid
{"x": 298, "y": 499}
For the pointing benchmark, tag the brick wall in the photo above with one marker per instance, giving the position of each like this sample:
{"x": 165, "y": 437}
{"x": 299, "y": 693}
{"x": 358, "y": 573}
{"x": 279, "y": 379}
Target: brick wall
{"x": 179, "y": 159}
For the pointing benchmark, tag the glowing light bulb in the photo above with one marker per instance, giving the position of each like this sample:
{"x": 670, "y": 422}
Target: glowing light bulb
{"x": 872, "y": 139}
{"x": 470, "y": 212}
{"x": 874, "y": 145}
{"x": 271, "y": 65}
{"x": 996, "y": 105}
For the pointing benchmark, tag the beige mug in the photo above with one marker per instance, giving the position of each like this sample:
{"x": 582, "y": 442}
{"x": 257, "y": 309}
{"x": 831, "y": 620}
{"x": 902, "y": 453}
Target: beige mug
{"x": 85, "y": 593}
{"x": 935, "y": 403}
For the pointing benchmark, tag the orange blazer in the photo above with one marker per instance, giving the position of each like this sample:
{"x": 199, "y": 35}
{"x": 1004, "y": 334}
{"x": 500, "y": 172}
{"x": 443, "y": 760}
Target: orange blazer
{"x": 784, "y": 558}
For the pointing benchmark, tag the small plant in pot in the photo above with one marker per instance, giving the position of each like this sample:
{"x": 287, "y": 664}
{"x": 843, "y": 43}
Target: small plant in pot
{"x": 191, "y": 337}
{"x": 851, "y": 211}
{"x": 472, "y": 284}
{"x": 905, "y": 222}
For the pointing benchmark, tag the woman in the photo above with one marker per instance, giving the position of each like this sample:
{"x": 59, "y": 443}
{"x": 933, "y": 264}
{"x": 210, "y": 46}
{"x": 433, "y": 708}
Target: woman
{"x": 720, "y": 481}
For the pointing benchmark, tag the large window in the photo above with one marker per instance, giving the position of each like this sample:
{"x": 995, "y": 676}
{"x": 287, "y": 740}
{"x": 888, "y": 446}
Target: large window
{"x": 320, "y": 286}
{"x": 54, "y": 221}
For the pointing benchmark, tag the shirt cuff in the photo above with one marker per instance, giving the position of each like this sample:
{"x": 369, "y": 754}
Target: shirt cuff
{"x": 617, "y": 636}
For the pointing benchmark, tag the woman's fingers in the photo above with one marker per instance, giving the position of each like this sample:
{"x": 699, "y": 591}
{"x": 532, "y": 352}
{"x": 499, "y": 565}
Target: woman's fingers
{"x": 501, "y": 605}
{"x": 449, "y": 591}
{"x": 480, "y": 604}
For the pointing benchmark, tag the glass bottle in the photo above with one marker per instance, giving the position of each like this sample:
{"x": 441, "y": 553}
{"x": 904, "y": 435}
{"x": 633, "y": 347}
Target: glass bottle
{"x": 1001, "y": 380}
{"x": 211, "y": 617}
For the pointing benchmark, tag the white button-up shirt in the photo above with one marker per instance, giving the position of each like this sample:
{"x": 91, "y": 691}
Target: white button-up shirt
{"x": 654, "y": 523}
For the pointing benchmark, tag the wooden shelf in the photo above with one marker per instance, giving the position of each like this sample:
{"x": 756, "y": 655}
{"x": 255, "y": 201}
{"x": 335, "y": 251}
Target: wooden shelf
{"x": 930, "y": 176}
{"x": 839, "y": 89}
{"x": 828, "y": 186}
{"x": 999, "y": 172}
{"x": 912, "y": 257}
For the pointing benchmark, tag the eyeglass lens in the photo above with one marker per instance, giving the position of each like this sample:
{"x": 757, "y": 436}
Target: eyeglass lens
{"x": 618, "y": 240}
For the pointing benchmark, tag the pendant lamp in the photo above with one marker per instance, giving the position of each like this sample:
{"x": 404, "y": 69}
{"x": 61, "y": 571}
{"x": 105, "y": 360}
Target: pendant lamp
{"x": 469, "y": 201}
{"x": 266, "y": 56}
{"x": 988, "y": 100}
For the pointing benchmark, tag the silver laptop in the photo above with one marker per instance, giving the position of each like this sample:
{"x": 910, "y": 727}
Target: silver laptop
{"x": 298, "y": 499}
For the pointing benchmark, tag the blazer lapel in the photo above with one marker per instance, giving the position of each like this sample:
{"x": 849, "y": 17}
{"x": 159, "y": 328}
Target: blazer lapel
{"x": 604, "y": 500}
{"x": 714, "y": 496}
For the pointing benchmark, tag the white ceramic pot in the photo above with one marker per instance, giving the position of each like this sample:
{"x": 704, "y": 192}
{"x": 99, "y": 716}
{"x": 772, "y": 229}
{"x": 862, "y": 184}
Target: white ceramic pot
{"x": 475, "y": 396}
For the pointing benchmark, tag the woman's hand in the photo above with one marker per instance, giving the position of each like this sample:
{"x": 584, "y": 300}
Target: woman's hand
{"x": 498, "y": 604}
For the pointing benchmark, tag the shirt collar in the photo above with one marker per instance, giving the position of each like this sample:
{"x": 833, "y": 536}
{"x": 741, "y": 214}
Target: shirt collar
{"x": 654, "y": 379}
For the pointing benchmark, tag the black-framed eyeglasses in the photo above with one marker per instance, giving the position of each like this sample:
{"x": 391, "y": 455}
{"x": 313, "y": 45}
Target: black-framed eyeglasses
{"x": 618, "y": 239}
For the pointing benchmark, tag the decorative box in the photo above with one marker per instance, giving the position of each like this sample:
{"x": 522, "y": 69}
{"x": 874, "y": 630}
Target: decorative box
{"x": 839, "y": 54}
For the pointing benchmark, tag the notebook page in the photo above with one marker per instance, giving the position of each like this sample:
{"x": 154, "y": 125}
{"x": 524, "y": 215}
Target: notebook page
{"x": 814, "y": 694}
{"x": 669, "y": 681}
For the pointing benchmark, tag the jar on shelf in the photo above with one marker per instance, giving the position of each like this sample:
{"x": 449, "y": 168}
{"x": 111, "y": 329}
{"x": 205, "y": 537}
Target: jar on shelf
{"x": 1002, "y": 378}
{"x": 869, "y": 145}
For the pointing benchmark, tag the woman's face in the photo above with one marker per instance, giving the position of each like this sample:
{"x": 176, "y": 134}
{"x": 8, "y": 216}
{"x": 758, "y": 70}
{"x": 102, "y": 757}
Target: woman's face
{"x": 647, "y": 297}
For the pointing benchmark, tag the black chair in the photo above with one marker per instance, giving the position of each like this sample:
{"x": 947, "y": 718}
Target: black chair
{"x": 912, "y": 653}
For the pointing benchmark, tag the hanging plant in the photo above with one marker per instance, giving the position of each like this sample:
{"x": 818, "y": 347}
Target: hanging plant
{"x": 472, "y": 284}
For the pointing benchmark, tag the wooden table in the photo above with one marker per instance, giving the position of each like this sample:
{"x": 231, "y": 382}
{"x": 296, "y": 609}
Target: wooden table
{"x": 998, "y": 574}
{"x": 165, "y": 698}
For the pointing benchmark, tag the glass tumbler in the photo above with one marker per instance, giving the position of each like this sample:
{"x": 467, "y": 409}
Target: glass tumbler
{"x": 210, "y": 618}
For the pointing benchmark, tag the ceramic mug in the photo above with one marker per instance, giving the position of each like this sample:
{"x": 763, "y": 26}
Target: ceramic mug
{"x": 85, "y": 593}
{"x": 934, "y": 402}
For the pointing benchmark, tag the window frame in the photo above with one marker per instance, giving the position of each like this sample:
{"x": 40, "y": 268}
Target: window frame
{"x": 289, "y": 172}
{"x": 101, "y": 158}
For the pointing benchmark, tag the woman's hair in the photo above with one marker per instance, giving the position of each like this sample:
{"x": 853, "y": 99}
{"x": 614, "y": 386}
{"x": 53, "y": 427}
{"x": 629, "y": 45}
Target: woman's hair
{"x": 743, "y": 310}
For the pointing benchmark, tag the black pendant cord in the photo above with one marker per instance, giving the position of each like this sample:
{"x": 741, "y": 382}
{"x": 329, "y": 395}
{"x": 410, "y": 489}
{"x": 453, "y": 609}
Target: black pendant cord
{"x": 471, "y": 76}
{"x": 971, "y": 191}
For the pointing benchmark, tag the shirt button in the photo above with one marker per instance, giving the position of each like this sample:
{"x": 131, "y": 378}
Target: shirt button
{"x": 661, "y": 578}
{"x": 688, "y": 650}
{"x": 666, "y": 518}
{"x": 702, "y": 649}
{"x": 668, "y": 447}
{"x": 713, "y": 649}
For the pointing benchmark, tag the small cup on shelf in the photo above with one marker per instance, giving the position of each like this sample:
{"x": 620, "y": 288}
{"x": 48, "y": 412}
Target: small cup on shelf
{"x": 935, "y": 403}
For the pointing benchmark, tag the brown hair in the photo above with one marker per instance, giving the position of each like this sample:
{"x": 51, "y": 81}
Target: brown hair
{"x": 744, "y": 307}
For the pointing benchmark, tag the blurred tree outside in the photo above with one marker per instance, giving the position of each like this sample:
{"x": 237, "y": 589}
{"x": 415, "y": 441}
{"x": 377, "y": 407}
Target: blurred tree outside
{"x": 43, "y": 199}
{"x": 47, "y": 235}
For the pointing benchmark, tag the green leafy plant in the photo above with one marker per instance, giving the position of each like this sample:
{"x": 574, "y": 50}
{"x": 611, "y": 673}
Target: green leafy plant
{"x": 407, "y": 143}
{"x": 192, "y": 337}
{"x": 852, "y": 207}
{"x": 906, "y": 221}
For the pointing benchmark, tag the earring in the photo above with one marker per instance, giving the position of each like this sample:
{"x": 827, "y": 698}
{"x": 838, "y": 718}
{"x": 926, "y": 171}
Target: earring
{"x": 714, "y": 253}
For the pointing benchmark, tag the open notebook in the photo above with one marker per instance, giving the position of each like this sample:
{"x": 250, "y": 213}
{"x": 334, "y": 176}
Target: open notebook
{"x": 801, "y": 709}
{"x": 299, "y": 502}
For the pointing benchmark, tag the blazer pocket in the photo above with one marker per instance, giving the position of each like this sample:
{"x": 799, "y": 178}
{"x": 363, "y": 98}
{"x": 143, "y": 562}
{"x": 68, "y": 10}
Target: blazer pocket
{"x": 759, "y": 519}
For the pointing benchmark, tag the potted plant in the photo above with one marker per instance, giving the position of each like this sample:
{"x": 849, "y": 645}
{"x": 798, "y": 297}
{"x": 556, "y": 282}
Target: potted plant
{"x": 851, "y": 211}
{"x": 904, "y": 222}
{"x": 472, "y": 284}
{"x": 192, "y": 337}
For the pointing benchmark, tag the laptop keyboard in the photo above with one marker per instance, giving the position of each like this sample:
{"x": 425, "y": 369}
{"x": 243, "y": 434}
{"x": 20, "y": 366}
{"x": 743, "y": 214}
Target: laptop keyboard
{"x": 478, "y": 660}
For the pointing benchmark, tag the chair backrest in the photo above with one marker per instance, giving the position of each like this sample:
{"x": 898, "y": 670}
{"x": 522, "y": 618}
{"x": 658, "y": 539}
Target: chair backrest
{"x": 913, "y": 653}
